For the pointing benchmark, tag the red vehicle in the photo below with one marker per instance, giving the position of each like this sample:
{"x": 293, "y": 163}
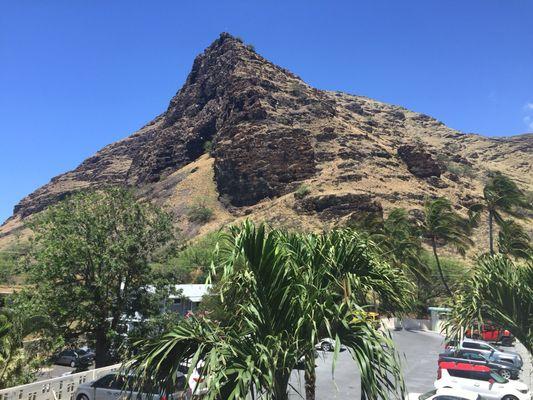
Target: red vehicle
{"x": 490, "y": 333}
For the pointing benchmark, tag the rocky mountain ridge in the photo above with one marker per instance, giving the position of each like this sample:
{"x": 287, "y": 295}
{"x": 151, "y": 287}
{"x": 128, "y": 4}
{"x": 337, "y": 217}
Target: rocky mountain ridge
{"x": 268, "y": 134}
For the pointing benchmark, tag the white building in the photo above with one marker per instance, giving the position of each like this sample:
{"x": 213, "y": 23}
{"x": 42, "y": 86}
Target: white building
{"x": 188, "y": 297}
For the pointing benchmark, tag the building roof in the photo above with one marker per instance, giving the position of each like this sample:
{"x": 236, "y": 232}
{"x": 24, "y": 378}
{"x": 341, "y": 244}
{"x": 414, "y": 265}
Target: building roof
{"x": 194, "y": 292}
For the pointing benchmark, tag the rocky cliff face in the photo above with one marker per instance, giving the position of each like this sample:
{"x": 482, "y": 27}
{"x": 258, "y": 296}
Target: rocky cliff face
{"x": 270, "y": 133}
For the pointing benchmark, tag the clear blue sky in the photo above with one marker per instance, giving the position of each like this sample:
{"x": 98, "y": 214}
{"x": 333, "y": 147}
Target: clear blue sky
{"x": 77, "y": 75}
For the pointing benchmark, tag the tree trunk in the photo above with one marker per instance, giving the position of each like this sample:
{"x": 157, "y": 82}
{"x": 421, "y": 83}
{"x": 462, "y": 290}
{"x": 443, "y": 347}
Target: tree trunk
{"x": 434, "y": 246}
{"x": 310, "y": 376}
{"x": 102, "y": 346}
{"x": 491, "y": 234}
{"x": 281, "y": 386}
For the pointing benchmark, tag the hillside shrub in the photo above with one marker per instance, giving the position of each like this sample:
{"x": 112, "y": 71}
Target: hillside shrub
{"x": 302, "y": 191}
{"x": 200, "y": 213}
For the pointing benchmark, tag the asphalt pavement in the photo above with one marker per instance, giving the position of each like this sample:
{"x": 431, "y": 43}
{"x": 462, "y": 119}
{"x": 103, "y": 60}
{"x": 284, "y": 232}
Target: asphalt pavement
{"x": 419, "y": 351}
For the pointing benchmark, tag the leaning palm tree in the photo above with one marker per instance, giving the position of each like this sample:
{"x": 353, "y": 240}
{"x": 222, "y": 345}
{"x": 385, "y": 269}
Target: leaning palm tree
{"x": 514, "y": 240}
{"x": 400, "y": 242}
{"x": 500, "y": 195}
{"x": 501, "y": 291}
{"x": 277, "y": 307}
{"x": 442, "y": 225}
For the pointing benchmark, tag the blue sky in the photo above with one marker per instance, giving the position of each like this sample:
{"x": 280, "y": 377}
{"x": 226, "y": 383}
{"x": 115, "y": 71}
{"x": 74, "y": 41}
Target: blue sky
{"x": 77, "y": 75}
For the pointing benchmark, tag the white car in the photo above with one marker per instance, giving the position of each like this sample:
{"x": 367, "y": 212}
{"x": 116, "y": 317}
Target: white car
{"x": 117, "y": 386}
{"x": 480, "y": 379}
{"x": 445, "y": 394}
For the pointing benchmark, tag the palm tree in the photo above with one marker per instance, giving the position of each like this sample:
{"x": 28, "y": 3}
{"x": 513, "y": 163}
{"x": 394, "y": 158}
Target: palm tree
{"x": 400, "y": 242}
{"x": 339, "y": 268}
{"x": 514, "y": 240}
{"x": 281, "y": 292}
{"x": 501, "y": 291}
{"x": 442, "y": 225}
{"x": 500, "y": 195}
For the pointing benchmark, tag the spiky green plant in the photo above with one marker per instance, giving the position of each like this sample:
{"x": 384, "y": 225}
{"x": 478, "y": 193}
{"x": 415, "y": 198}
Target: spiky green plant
{"x": 283, "y": 292}
{"x": 500, "y": 290}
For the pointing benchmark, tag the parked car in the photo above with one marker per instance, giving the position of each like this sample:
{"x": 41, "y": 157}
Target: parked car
{"x": 115, "y": 386}
{"x": 505, "y": 369}
{"x": 480, "y": 379}
{"x": 444, "y": 394}
{"x": 328, "y": 344}
{"x": 494, "y": 352}
{"x": 490, "y": 333}
{"x": 74, "y": 358}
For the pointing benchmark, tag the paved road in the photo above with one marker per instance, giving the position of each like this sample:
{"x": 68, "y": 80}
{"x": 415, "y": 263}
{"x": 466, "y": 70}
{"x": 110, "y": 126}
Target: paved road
{"x": 55, "y": 371}
{"x": 419, "y": 352}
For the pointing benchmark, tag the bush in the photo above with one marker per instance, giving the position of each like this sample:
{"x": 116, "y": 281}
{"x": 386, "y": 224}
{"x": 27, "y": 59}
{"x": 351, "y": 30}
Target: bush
{"x": 208, "y": 146}
{"x": 250, "y": 47}
{"x": 461, "y": 170}
{"x": 200, "y": 213}
{"x": 302, "y": 191}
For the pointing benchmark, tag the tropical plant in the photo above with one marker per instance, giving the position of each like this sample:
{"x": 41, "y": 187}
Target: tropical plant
{"x": 90, "y": 264}
{"x": 441, "y": 225}
{"x": 340, "y": 267}
{"x": 398, "y": 237}
{"x": 513, "y": 240}
{"x": 501, "y": 196}
{"x": 282, "y": 291}
{"x": 500, "y": 290}
{"x": 17, "y": 364}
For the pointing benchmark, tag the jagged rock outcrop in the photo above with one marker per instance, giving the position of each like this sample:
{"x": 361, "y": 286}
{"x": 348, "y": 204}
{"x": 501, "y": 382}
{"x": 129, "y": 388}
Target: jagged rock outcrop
{"x": 269, "y": 133}
{"x": 419, "y": 162}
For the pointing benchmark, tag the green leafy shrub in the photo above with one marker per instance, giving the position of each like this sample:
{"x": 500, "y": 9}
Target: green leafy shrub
{"x": 200, "y": 213}
{"x": 208, "y": 146}
{"x": 302, "y": 191}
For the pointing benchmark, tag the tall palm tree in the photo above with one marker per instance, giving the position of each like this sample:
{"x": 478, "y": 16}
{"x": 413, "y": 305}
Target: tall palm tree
{"x": 514, "y": 240}
{"x": 400, "y": 242}
{"x": 280, "y": 298}
{"x": 501, "y": 291}
{"x": 500, "y": 195}
{"x": 338, "y": 268}
{"x": 443, "y": 226}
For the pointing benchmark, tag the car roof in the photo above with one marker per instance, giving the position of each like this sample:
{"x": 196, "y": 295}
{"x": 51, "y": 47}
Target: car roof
{"x": 474, "y": 341}
{"x": 463, "y": 366}
{"x": 467, "y": 394}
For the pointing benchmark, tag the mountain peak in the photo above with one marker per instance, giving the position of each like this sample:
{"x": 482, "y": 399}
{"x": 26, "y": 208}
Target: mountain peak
{"x": 267, "y": 133}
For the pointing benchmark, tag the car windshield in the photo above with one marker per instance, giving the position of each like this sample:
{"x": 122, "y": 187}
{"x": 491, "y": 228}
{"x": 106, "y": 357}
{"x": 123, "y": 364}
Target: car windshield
{"x": 81, "y": 352}
{"x": 498, "y": 378}
{"x": 427, "y": 395}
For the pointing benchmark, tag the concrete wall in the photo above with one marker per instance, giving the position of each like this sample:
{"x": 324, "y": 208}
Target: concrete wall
{"x": 61, "y": 388}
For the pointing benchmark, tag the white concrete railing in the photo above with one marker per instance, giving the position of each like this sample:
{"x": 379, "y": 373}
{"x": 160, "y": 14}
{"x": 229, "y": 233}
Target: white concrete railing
{"x": 61, "y": 388}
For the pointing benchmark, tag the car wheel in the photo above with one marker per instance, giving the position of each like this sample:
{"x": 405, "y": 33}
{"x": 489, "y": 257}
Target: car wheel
{"x": 72, "y": 363}
{"x": 505, "y": 373}
{"x": 82, "y": 397}
{"x": 326, "y": 346}
{"x": 509, "y": 398}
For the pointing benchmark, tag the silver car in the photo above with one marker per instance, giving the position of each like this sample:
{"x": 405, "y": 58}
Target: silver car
{"x": 492, "y": 352}
{"x": 118, "y": 386}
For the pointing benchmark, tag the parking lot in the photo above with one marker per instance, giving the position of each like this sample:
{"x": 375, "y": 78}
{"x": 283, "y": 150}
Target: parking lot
{"x": 419, "y": 352}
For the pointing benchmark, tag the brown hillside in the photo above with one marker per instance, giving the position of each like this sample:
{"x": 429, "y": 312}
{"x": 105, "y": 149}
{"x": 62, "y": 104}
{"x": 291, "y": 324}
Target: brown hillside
{"x": 272, "y": 133}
